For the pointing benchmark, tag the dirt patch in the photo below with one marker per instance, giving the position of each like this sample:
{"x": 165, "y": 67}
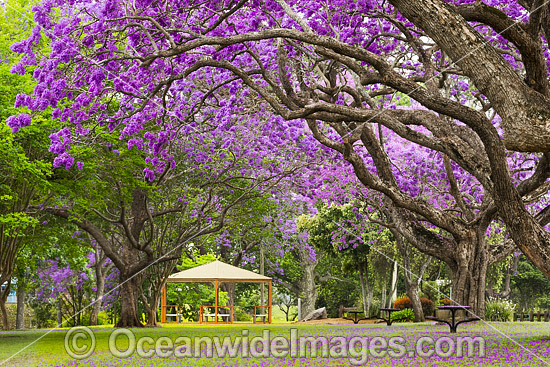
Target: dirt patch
{"x": 336, "y": 321}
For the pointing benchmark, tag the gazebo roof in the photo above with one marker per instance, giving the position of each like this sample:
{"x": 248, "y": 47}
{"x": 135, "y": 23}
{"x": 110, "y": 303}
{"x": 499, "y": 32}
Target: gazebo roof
{"x": 217, "y": 270}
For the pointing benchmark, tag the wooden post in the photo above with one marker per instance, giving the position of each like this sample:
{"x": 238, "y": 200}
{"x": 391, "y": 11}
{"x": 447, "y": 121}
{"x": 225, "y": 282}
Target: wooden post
{"x": 163, "y": 305}
{"x": 269, "y": 300}
{"x": 216, "y": 300}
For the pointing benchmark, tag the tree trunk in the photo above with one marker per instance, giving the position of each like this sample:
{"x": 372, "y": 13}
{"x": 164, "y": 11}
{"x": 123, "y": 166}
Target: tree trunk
{"x": 129, "y": 303}
{"x": 152, "y": 316}
{"x": 3, "y": 298}
{"x": 511, "y": 269}
{"x": 100, "y": 284}
{"x": 370, "y": 289}
{"x": 230, "y": 289}
{"x": 5, "y": 320}
{"x": 20, "y": 317}
{"x": 523, "y": 111}
{"x": 469, "y": 277}
{"x": 370, "y": 295}
{"x": 363, "y": 290}
{"x": 412, "y": 292}
{"x": 59, "y": 313}
{"x": 393, "y": 290}
{"x": 308, "y": 289}
{"x": 384, "y": 290}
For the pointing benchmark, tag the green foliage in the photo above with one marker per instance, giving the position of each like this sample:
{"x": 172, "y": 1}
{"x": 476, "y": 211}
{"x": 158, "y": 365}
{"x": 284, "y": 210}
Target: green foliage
{"x": 247, "y": 296}
{"x": 433, "y": 290}
{"x": 188, "y": 263}
{"x": 334, "y": 293}
{"x": 190, "y": 296}
{"x": 343, "y": 233}
{"x": 45, "y": 313}
{"x": 336, "y": 229}
{"x": 529, "y": 284}
{"x": 16, "y": 23}
{"x": 23, "y": 176}
{"x": 405, "y": 315}
{"x": 102, "y": 318}
{"x": 375, "y": 307}
{"x": 499, "y": 310}
{"x": 12, "y": 316}
{"x": 497, "y": 272}
{"x": 242, "y": 315}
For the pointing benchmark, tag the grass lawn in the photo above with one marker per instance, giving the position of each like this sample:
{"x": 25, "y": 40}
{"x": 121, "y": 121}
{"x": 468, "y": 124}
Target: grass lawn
{"x": 506, "y": 344}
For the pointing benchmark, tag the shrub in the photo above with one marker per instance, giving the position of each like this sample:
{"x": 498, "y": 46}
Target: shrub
{"x": 445, "y": 302}
{"x": 45, "y": 314}
{"x": 429, "y": 289}
{"x": 103, "y": 318}
{"x": 428, "y": 306}
{"x": 405, "y": 315}
{"x": 12, "y": 311}
{"x": 402, "y": 303}
{"x": 242, "y": 315}
{"x": 499, "y": 310}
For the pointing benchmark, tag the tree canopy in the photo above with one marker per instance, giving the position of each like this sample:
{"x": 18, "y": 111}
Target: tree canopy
{"x": 433, "y": 112}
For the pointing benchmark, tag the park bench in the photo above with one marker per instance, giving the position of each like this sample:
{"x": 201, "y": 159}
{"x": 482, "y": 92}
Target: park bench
{"x": 224, "y": 313}
{"x": 178, "y": 315}
{"x": 263, "y": 316}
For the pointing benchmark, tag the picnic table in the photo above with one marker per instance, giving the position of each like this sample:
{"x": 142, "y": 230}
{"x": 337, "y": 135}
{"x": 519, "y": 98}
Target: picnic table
{"x": 453, "y": 323}
{"x": 356, "y": 318}
{"x": 389, "y": 311}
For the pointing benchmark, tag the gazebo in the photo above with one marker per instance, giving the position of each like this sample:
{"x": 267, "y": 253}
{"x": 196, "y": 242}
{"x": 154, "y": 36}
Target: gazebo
{"x": 218, "y": 272}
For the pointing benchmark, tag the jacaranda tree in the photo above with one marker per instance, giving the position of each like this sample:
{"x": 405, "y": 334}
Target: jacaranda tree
{"x": 476, "y": 74}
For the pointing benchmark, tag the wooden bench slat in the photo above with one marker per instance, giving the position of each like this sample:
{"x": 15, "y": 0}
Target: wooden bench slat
{"x": 213, "y": 314}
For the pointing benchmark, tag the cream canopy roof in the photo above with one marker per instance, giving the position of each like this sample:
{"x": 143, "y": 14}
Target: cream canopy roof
{"x": 217, "y": 270}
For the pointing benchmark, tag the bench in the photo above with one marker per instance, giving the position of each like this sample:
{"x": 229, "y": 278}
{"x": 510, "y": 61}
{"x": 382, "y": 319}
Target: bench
{"x": 178, "y": 315}
{"x": 262, "y": 315}
{"x": 343, "y": 310}
{"x": 205, "y": 313}
{"x": 225, "y": 316}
